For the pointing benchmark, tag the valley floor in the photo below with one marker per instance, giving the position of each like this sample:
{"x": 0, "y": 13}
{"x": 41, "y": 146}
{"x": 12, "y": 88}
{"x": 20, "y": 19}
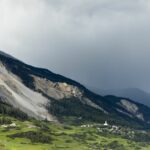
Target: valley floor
{"x": 36, "y": 135}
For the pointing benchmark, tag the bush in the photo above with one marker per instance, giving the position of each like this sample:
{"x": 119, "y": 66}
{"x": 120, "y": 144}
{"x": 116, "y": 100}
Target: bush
{"x": 5, "y": 120}
{"x": 115, "y": 145}
{"x": 35, "y": 137}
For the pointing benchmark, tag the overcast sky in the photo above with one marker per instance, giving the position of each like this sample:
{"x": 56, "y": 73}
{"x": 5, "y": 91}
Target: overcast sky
{"x": 101, "y": 43}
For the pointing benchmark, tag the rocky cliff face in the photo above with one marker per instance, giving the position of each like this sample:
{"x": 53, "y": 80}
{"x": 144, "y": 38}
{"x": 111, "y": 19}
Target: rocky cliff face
{"x": 56, "y": 90}
{"x": 131, "y": 108}
{"x": 18, "y": 95}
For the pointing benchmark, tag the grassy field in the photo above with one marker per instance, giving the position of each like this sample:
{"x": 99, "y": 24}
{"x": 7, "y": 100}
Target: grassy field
{"x": 61, "y": 137}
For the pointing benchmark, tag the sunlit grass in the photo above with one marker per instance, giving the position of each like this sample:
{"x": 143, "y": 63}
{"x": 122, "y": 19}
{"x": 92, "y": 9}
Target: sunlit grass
{"x": 63, "y": 138}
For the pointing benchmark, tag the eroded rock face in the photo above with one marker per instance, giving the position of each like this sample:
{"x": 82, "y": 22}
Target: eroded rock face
{"x": 60, "y": 91}
{"x": 5, "y": 95}
{"x": 14, "y": 92}
{"x": 131, "y": 108}
{"x": 56, "y": 90}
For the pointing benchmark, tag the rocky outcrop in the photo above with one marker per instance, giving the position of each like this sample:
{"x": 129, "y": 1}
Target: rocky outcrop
{"x": 56, "y": 90}
{"x": 131, "y": 108}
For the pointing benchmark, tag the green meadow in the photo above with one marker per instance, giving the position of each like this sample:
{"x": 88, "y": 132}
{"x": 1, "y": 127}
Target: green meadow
{"x": 42, "y": 135}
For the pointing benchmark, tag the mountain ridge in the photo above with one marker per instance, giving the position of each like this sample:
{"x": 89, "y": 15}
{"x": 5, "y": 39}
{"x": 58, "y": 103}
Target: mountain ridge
{"x": 65, "y": 99}
{"x": 135, "y": 94}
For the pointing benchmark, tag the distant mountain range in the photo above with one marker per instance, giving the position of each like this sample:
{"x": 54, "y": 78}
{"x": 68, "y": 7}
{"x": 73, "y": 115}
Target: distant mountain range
{"x": 42, "y": 94}
{"x": 135, "y": 94}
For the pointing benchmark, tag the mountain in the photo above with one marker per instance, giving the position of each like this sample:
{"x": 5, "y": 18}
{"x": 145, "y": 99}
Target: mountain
{"x": 131, "y": 93}
{"x": 42, "y": 94}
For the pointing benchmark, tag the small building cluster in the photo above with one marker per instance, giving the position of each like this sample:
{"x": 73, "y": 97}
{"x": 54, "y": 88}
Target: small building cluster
{"x": 86, "y": 126}
{"x": 91, "y": 125}
{"x": 112, "y": 129}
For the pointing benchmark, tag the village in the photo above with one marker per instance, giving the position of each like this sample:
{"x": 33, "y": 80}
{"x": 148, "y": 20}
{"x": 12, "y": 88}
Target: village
{"x": 107, "y": 129}
{"x": 104, "y": 129}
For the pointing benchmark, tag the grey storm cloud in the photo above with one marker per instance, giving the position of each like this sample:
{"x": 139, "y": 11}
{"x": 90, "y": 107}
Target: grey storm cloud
{"x": 101, "y": 43}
